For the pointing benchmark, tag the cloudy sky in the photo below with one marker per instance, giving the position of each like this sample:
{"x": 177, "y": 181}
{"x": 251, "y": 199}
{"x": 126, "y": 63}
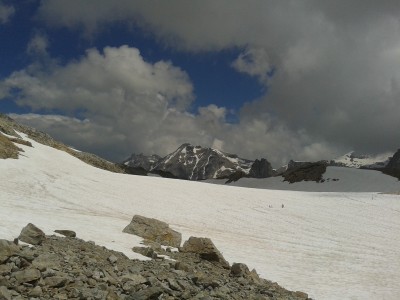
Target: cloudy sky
{"x": 301, "y": 79}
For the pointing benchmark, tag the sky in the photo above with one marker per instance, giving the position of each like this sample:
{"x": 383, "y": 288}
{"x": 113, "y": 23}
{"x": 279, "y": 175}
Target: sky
{"x": 303, "y": 80}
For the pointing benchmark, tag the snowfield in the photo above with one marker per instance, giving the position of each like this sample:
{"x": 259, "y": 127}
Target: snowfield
{"x": 337, "y": 245}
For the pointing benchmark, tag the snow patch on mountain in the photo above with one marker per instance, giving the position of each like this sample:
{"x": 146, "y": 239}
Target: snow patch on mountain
{"x": 354, "y": 160}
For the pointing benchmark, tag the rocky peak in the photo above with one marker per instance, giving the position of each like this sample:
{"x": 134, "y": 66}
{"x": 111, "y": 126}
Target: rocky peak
{"x": 198, "y": 163}
{"x": 261, "y": 169}
{"x": 394, "y": 162}
{"x": 147, "y": 162}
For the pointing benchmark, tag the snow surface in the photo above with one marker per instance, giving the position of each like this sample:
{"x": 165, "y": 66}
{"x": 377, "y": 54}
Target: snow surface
{"x": 330, "y": 245}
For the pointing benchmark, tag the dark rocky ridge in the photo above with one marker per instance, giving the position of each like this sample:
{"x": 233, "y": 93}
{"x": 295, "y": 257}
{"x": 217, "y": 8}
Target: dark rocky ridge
{"x": 305, "y": 171}
{"x": 70, "y": 268}
{"x": 197, "y": 163}
{"x": 393, "y": 167}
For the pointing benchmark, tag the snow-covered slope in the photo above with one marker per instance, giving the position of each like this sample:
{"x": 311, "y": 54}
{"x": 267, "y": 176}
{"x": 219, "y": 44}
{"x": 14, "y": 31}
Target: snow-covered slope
{"x": 331, "y": 245}
{"x": 353, "y": 160}
{"x": 198, "y": 163}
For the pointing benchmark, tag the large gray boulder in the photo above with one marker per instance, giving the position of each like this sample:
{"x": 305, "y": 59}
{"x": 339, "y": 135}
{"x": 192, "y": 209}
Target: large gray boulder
{"x": 32, "y": 235}
{"x": 206, "y": 249}
{"x": 154, "y": 230}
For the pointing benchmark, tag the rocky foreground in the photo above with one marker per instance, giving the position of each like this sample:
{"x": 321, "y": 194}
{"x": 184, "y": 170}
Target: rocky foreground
{"x": 66, "y": 267}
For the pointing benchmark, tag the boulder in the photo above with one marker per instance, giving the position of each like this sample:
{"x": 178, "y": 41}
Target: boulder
{"x": 27, "y": 275}
{"x": 7, "y": 249}
{"x": 239, "y": 270}
{"x": 206, "y": 249}
{"x": 154, "y": 230}
{"x": 261, "y": 169}
{"x": 32, "y": 235}
{"x": 5, "y": 293}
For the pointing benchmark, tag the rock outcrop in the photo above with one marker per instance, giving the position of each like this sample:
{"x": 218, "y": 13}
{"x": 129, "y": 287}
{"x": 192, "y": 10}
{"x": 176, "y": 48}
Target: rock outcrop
{"x": 8, "y": 148}
{"x": 70, "y": 268}
{"x": 154, "y": 230}
{"x": 393, "y": 166}
{"x": 261, "y": 169}
{"x": 394, "y": 161}
{"x": 305, "y": 171}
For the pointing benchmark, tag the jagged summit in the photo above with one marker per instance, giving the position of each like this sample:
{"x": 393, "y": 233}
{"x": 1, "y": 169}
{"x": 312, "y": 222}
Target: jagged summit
{"x": 198, "y": 163}
{"x": 142, "y": 161}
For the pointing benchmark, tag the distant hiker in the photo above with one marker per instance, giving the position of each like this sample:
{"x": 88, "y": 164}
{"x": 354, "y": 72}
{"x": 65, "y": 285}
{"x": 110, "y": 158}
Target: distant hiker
{"x": 283, "y": 206}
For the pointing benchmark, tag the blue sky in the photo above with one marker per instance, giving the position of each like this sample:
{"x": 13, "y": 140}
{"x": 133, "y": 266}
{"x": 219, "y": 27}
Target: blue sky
{"x": 210, "y": 72}
{"x": 277, "y": 79}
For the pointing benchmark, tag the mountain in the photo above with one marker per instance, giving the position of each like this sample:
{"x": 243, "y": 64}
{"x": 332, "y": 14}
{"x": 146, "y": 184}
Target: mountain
{"x": 393, "y": 166}
{"x": 198, "y": 163}
{"x": 142, "y": 161}
{"x": 354, "y": 160}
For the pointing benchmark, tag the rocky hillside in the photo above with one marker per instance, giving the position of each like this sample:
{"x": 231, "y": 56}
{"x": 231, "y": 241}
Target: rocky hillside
{"x": 10, "y": 127}
{"x": 69, "y": 268}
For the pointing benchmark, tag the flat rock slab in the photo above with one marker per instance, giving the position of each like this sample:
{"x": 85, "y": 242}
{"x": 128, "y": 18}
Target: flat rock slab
{"x": 154, "y": 230}
{"x": 67, "y": 233}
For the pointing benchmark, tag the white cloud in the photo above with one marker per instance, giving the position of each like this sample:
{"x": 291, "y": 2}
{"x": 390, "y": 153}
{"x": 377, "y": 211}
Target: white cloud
{"x": 127, "y": 104}
{"x": 38, "y": 45}
{"x": 6, "y": 12}
{"x": 254, "y": 62}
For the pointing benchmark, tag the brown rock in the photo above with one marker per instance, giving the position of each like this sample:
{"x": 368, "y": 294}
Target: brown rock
{"x": 55, "y": 281}
{"x": 206, "y": 249}
{"x": 239, "y": 270}
{"x": 67, "y": 233}
{"x": 154, "y": 230}
{"x": 27, "y": 275}
{"x": 7, "y": 249}
{"x": 32, "y": 235}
